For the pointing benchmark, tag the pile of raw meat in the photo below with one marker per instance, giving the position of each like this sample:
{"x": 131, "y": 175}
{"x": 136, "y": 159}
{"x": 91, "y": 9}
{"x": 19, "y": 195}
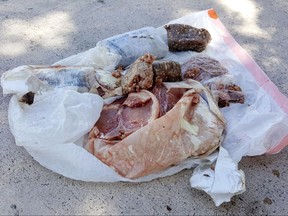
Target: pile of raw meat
{"x": 158, "y": 112}
{"x": 164, "y": 116}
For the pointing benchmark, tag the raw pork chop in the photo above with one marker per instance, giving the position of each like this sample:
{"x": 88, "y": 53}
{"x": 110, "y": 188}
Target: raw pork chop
{"x": 124, "y": 116}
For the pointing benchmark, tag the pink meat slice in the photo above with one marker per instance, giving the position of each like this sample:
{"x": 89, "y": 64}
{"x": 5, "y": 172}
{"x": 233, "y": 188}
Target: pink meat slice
{"x": 124, "y": 116}
{"x": 167, "y": 97}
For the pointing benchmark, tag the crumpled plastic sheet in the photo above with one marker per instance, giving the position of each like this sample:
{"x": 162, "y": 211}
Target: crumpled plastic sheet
{"x": 54, "y": 128}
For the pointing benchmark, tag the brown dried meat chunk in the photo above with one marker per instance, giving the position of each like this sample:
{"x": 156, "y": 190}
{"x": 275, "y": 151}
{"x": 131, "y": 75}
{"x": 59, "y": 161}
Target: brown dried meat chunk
{"x": 166, "y": 71}
{"x": 139, "y": 75}
{"x": 183, "y": 37}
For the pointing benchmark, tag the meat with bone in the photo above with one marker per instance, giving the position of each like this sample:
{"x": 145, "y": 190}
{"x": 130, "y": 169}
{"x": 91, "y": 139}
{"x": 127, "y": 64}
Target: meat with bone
{"x": 225, "y": 91}
{"x": 139, "y": 75}
{"x": 183, "y": 37}
{"x": 192, "y": 128}
{"x": 166, "y": 71}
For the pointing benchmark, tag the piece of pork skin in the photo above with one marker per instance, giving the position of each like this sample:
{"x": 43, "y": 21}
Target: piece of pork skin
{"x": 193, "y": 127}
{"x": 139, "y": 75}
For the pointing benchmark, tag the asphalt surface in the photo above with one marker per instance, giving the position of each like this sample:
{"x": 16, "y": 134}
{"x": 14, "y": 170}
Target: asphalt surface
{"x": 43, "y": 32}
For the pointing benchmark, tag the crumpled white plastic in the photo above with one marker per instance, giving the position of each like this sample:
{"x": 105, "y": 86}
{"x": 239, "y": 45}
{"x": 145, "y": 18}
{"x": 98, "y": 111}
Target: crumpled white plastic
{"x": 222, "y": 180}
{"x": 56, "y": 117}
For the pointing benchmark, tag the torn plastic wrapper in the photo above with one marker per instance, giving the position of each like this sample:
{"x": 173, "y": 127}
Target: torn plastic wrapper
{"x": 221, "y": 180}
{"x": 263, "y": 102}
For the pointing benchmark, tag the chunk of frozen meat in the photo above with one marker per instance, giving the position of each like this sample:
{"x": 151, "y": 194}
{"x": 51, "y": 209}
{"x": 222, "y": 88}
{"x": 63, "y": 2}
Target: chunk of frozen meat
{"x": 202, "y": 68}
{"x": 139, "y": 75}
{"x": 183, "y": 37}
{"x": 166, "y": 71}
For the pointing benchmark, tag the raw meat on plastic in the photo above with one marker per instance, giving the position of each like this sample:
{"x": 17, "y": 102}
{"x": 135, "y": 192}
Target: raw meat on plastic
{"x": 202, "y": 68}
{"x": 194, "y": 127}
{"x": 245, "y": 136}
{"x": 124, "y": 116}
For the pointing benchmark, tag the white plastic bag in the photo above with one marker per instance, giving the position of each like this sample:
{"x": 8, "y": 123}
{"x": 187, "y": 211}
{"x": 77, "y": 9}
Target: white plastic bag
{"x": 98, "y": 57}
{"x": 56, "y": 117}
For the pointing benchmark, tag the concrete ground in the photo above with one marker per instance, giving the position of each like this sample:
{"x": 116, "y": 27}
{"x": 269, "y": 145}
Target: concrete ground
{"x": 42, "y": 32}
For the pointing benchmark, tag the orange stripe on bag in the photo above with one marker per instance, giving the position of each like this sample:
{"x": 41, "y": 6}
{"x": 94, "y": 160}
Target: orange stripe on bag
{"x": 212, "y": 13}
